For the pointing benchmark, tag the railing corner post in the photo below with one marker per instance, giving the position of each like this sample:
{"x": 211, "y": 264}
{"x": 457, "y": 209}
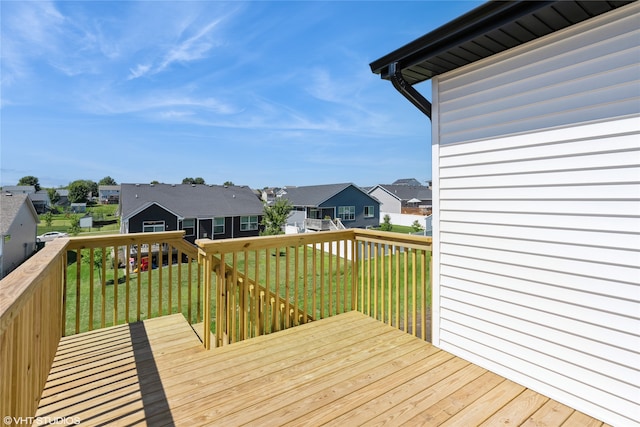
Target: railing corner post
{"x": 206, "y": 262}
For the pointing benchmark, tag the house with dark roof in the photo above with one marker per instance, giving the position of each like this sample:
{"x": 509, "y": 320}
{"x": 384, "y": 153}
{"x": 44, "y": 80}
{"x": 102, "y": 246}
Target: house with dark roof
{"x": 407, "y": 181}
{"x": 403, "y": 199}
{"x": 535, "y": 130}
{"x": 318, "y": 206}
{"x": 18, "y": 230}
{"x": 40, "y": 198}
{"x": 202, "y": 211}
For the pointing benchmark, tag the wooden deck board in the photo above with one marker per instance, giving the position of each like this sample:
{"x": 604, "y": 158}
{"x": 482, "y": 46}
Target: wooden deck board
{"x": 344, "y": 370}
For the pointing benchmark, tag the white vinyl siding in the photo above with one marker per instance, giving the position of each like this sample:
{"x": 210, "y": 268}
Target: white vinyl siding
{"x": 537, "y": 217}
{"x": 591, "y": 73}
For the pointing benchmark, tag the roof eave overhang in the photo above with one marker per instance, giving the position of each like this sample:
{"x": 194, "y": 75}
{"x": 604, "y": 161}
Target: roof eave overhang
{"x": 483, "y": 19}
{"x": 464, "y": 40}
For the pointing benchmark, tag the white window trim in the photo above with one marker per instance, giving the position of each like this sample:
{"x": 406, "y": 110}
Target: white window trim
{"x": 247, "y": 221}
{"x": 351, "y": 212}
{"x": 191, "y": 227}
{"x": 223, "y": 225}
{"x": 156, "y": 225}
{"x": 372, "y": 211}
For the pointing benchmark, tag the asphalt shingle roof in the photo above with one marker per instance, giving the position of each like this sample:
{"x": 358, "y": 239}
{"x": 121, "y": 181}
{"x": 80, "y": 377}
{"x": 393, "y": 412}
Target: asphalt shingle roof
{"x": 9, "y": 207}
{"x": 408, "y": 192}
{"x": 191, "y": 201}
{"x": 313, "y": 195}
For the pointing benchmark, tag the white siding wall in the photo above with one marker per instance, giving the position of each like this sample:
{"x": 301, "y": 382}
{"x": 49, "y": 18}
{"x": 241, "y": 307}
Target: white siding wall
{"x": 388, "y": 203}
{"x": 537, "y": 215}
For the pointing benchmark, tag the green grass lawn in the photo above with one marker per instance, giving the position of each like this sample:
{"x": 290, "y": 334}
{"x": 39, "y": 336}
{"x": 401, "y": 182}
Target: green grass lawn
{"x": 62, "y": 222}
{"x": 131, "y": 291}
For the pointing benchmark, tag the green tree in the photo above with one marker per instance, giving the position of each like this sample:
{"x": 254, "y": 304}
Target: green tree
{"x": 79, "y": 191}
{"x": 228, "y": 184}
{"x": 107, "y": 180}
{"x": 48, "y": 218}
{"x": 93, "y": 188}
{"x": 275, "y": 217}
{"x": 30, "y": 180}
{"x": 416, "y": 226}
{"x": 386, "y": 223}
{"x": 54, "y": 196}
{"x": 82, "y": 190}
{"x": 96, "y": 262}
{"x": 197, "y": 180}
{"x": 74, "y": 228}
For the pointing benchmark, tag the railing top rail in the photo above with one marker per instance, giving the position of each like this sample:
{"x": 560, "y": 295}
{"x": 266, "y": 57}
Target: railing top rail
{"x": 393, "y": 238}
{"x": 266, "y": 242}
{"x": 17, "y": 287}
{"x": 86, "y": 242}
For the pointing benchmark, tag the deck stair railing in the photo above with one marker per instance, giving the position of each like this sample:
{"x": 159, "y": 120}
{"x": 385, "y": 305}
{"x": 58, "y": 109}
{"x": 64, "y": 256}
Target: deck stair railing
{"x": 271, "y": 283}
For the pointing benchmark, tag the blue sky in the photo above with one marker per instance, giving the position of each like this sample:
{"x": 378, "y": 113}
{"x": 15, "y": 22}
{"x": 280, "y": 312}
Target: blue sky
{"x": 260, "y": 93}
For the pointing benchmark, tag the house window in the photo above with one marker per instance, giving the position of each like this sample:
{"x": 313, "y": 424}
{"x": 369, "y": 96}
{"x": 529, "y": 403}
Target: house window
{"x": 369, "y": 211}
{"x": 218, "y": 226}
{"x": 347, "y": 213}
{"x": 189, "y": 226}
{"x": 248, "y": 223}
{"x": 152, "y": 226}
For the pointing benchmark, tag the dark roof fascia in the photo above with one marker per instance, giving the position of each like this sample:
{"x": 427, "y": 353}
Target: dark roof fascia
{"x": 484, "y": 18}
{"x": 354, "y": 186}
{"x": 317, "y": 201}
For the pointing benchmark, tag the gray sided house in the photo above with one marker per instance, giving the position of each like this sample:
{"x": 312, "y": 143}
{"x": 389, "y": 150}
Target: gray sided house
{"x": 317, "y": 203}
{"x": 202, "y": 211}
{"x": 18, "y": 230}
{"x": 535, "y": 132}
{"x": 109, "y": 194}
{"x": 404, "y": 199}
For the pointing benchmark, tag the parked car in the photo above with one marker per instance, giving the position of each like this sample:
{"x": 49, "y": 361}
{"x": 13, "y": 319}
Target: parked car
{"x": 47, "y": 237}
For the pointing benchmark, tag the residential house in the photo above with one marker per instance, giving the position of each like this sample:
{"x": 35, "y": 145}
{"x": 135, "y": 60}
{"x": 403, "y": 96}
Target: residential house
{"x": 18, "y": 230}
{"x": 40, "y": 198}
{"x": 403, "y": 199}
{"x": 19, "y": 189}
{"x": 76, "y": 208}
{"x": 407, "y": 181}
{"x": 317, "y": 206}
{"x": 64, "y": 197}
{"x": 41, "y": 201}
{"x": 535, "y": 136}
{"x": 109, "y": 194}
{"x": 203, "y": 211}
{"x": 269, "y": 195}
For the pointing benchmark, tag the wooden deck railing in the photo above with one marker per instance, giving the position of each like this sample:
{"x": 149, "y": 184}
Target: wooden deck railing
{"x": 271, "y": 283}
{"x": 30, "y": 329}
{"x": 394, "y": 279}
{"x": 125, "y": 278}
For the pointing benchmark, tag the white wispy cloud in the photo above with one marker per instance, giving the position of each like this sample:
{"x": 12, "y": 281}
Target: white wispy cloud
{"x": 192, "y": 48}
{"x": 29, "y": 30}
{"x": 139, "y": 71}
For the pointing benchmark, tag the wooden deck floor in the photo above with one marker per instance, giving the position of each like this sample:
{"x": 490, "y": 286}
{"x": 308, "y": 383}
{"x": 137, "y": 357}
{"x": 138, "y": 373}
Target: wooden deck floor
{"x": 345, "y": 370}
